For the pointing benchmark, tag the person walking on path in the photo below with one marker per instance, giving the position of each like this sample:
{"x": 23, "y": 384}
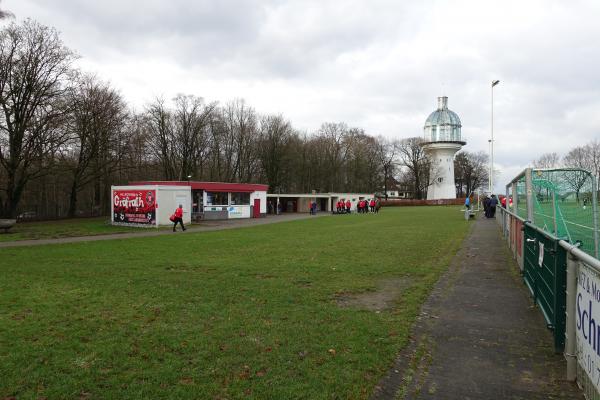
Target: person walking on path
{"x": 492, "y": 206}
{"x": 178, "y": 218}
{"x": 486, "y": 206}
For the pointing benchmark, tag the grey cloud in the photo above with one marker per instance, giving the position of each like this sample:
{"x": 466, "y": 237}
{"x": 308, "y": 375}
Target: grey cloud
{"x": 379, "y": 66}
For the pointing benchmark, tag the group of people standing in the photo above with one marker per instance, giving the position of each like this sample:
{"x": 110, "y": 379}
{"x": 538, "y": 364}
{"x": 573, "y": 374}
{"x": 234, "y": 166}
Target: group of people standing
{"x": 489, "y": 206}
{"x": 362, "y": 207}
{"x": 343, "y": 206}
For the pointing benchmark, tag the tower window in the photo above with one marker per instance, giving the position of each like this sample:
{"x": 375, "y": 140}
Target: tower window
{"x": 440, "y": 180}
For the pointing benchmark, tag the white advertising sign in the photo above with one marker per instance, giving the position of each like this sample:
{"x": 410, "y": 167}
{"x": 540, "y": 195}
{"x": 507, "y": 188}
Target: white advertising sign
{"x": 238, "y": 211}
{"x": 588, "y": 323}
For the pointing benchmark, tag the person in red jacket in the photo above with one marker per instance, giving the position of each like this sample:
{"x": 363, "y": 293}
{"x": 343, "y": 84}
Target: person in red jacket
{"x": 348, "y": 205}
{"x": 178, "y": 218}
{"x": 372, "y": 205}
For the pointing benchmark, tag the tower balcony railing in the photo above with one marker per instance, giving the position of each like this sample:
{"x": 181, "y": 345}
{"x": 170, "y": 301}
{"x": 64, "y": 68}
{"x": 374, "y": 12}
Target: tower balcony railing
{"x": 448, "y": 139}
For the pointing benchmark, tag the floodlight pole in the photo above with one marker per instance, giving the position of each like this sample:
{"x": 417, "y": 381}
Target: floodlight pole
{"x": 491, "y": 178}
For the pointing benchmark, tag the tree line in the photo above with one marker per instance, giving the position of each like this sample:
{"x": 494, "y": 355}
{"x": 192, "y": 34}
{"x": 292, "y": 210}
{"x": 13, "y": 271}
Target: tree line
{"x": 571, "y": 178}
{"x": 66, "y": 137}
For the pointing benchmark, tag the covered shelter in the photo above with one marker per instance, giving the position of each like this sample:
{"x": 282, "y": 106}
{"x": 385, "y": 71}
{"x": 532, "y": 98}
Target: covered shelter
{"x": 300, "y": 202}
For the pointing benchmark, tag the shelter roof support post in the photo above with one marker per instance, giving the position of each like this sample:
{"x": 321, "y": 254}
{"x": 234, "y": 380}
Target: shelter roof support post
{"x": 515, "y": 197}
{"x": 529, "y": 192}
{"x": 595, "y": 208}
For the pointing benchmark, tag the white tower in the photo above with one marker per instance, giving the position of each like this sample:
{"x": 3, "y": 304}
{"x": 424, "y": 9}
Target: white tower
{"x": 442, "y": 141}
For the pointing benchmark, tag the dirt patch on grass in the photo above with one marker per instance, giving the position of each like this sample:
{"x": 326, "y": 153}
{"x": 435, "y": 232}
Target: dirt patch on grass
{"x": 381, "y": 298}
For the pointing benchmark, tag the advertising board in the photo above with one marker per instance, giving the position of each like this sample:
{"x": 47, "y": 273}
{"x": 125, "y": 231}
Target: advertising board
{"x": 588, "y": 323}
{"x": 238, "y": 212}
{"x": 136, "y": 207}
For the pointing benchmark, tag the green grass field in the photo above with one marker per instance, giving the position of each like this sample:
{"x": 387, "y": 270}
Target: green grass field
{"x": 251, "y": 313}
{"x": 573, "y": 222}
{"x": 63, "y": 228}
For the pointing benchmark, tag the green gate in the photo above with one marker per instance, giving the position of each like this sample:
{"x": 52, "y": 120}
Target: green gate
{"x": 546, "y": 277}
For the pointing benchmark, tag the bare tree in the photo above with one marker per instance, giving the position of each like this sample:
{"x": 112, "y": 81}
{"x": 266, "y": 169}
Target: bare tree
{"x": 98, "y": 115}
{"x": 336, "y": 139}
{"x": 363, "y": 166}
{"x": 547, "y": 160}
{"x": 241, "y": 133}
{"x": 273, "y": 145}
{"x": 418, "y": 166}
{"x": 191, "y": 121}
{"x": 162, "y": 138}
{"x": 180, "y": 137}
{"x": 470, "y": 171}
{"x": 387, "y": 152}
{"x": 34, "y": 69}
{"x": 585, "y": 157}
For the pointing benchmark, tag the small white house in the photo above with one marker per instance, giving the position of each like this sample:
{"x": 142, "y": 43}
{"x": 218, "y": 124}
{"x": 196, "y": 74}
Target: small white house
{"x": 149, "y": 205}
{"x": 220, "y": 200}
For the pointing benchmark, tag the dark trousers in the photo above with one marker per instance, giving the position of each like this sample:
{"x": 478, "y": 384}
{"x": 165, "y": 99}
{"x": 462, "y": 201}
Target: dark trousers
{"x": 180, "y": 221}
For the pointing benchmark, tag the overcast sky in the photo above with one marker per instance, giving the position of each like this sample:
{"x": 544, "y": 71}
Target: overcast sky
{"x": 377, "y": 65}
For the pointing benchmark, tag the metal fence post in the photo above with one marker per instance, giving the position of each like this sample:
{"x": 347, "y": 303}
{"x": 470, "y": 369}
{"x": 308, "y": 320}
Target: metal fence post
{"x": 515, "y": 199}
{"x": 529, "y": 192}
{"x": 595, "y": 208}
{"x": 554, "y": 212}
{"x": 570, "y": 339}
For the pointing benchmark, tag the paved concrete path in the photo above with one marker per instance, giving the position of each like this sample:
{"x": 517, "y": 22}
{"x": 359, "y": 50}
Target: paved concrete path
{"x": 479, "y": 335}
{"x": 204, "y": 226}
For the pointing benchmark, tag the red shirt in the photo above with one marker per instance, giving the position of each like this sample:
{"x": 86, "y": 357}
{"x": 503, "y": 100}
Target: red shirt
{"x": 372, "y": 203}
{"x": 179, "y": 213}
{"x": 348, "y": 204}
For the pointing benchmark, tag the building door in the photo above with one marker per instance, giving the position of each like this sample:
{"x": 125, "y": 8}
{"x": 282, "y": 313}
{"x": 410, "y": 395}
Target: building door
{"x": 256, "y": 208}
{"x": 323, "y": 204}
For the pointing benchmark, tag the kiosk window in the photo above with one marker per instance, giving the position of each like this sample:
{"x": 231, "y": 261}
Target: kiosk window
{"x": 217, "y": 198}
{"x": 240, "y": 199}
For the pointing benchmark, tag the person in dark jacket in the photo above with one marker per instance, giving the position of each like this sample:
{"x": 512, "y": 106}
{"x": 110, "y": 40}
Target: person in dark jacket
{"x": 492, "y": 206}
{"x": 486, "y": 206}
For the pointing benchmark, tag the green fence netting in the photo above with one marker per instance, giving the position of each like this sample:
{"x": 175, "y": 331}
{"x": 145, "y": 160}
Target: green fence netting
{"x": 563, "y": 205}
{"x": 521, "y": 198}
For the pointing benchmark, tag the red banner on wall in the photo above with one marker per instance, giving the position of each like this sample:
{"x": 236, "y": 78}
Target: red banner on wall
{"x": 134, "y": 206}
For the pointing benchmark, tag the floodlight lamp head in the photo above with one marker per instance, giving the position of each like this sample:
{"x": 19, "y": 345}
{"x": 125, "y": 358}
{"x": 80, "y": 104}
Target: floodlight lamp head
{"x": 494, "y": 83}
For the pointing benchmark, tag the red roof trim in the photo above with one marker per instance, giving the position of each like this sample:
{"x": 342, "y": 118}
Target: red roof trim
{"x": 210, "y": 186}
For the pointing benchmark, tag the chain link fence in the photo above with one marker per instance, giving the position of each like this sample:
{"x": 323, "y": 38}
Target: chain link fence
{"x": 562, "y": 202}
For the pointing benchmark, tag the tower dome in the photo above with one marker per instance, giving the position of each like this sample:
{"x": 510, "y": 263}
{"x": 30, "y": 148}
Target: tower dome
{"x": 443, "y": 125}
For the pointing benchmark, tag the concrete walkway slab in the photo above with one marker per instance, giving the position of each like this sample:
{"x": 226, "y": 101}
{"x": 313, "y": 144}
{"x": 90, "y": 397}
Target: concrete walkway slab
{"x": 479, "y": 335}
